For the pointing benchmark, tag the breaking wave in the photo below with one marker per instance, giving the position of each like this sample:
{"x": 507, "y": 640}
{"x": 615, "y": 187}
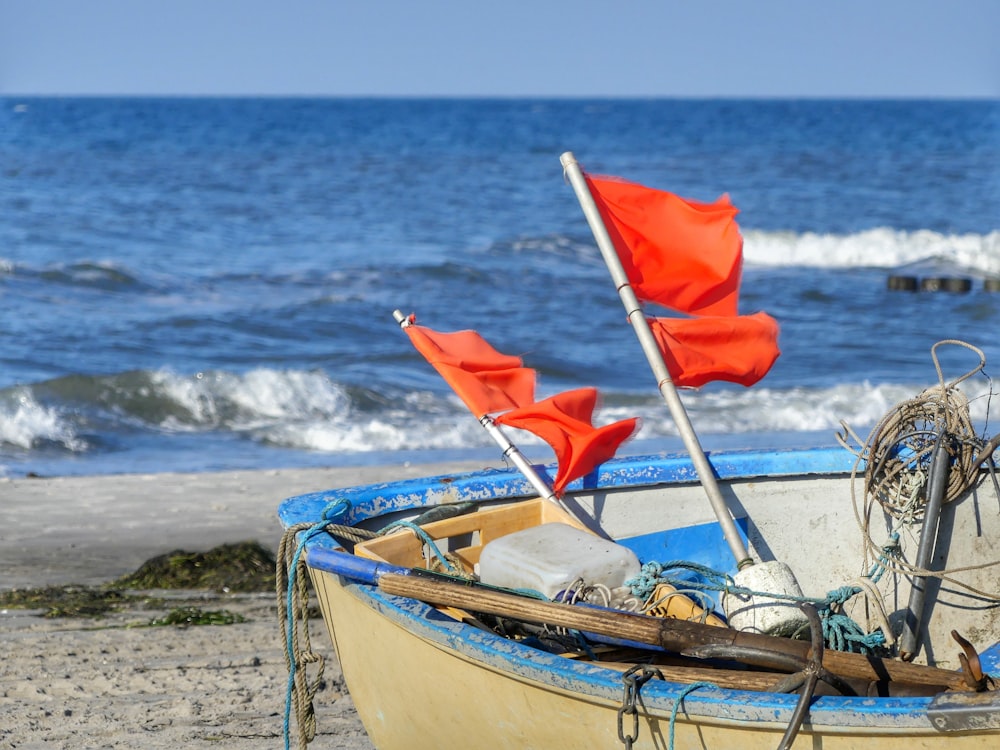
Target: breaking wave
{"x": 308, "y": 411}
{"x": 27, "y": 424}
{"x": 876, "y": 248}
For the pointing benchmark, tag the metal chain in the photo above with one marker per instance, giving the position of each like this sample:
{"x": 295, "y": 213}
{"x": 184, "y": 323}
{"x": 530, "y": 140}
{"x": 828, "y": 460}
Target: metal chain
{"x": 633, "y": 680}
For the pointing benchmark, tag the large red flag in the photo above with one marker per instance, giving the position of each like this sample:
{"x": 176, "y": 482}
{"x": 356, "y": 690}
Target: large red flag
{"x": 486, "y": 380}
{"x": 696, "y": 351}
{"x": 678, "y": 253}
{"x": 564, "y": 421}
{"x": 688, "y": 256}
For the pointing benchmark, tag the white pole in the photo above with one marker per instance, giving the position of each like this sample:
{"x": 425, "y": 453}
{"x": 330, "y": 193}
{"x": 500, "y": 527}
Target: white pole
{"x": 517, "y": 458}
{"x": 510, "y": 450}
{"x": 667, "y": 389}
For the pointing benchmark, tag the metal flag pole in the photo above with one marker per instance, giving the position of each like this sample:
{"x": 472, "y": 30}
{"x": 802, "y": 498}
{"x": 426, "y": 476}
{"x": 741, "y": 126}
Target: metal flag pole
{"x": 510, "y": 451}
{"x": 649, "y": 346}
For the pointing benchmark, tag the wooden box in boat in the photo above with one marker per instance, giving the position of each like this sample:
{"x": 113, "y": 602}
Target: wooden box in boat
{"x": 463, "y": 536}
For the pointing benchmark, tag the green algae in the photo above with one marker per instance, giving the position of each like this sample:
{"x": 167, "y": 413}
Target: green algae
{"x": 244, "y": 567}
{"x": 188, "y": 616}
{"x": 68, "y": 601}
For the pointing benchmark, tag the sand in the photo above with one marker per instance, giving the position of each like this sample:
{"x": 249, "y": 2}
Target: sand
{"x": 117, "y": 683}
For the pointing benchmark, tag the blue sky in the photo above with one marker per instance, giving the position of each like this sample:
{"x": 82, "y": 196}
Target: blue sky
{"x": 753, "y": 48}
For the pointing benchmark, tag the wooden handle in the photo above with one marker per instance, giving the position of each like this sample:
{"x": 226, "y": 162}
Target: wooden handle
{"x": 669, "y": 634}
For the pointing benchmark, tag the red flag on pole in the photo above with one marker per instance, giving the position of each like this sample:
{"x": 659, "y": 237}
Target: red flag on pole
{"x": 696, "y": 351}
{"x": 486, "y": 380}
{"x": 564, "y": 421}
{"x": 678, "y": 253}
{"x": 688, "y": 256}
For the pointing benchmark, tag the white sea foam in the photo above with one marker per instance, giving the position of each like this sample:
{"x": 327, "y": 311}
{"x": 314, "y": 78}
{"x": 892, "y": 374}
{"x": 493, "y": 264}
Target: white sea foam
{"x": 878, "y": 248}
{"x": 764, "y": 410}
{"x": 24, "y": 423}
{"x": 250, "y": 400}
{"x": 378, "y": 435}
{"x": 272, "y": 394}
{"x": 308, "y": 411}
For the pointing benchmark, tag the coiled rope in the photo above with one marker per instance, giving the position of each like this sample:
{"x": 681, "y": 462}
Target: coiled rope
{"x": 292, "y": 590}
{"x": 900, "y": 446}
{"x": 896, "y": 460}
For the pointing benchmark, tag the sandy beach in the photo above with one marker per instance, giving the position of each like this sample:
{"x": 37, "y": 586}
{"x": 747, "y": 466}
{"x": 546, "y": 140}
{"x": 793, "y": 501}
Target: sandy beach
{"x": 115, "y": 683}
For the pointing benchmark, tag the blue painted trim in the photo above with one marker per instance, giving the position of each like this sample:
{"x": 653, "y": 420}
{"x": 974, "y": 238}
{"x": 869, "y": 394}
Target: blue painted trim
{"x": 369, "y": 501}
{"x": 350, "y": 566}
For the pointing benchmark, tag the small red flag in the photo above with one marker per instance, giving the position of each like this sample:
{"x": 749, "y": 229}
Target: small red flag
{"x": 486, "y": 380}
{"x": 564, "y": 421}
{"x": 679, "y": 253}
{"x": 696, "y": 351}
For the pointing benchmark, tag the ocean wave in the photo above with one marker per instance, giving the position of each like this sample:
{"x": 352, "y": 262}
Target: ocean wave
{"x": 308, "y": 411}
{"x": 25, "y": 424}
{"x": 922, "y": 251}
{"x": 876, "y": 248}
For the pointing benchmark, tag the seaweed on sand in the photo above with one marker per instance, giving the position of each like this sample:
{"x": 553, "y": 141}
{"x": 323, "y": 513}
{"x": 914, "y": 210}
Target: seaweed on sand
{"x": 244, "y": 567}
{"x": 66, "y": 601}
{"x": 241, "y": 567}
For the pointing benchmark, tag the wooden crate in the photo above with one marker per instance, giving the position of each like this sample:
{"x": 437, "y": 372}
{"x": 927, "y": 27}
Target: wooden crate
{"x": 463, "y": 536}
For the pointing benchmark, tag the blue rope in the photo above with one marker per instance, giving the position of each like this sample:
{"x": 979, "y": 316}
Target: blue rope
{"x": 677, "y": 704}
{"x": 425, "y": 538}
{"x": 331, "y": 511}
{"x": 889, "y": 550}
{"x": 840, "y": 632}
{"x": 652, "y": 573}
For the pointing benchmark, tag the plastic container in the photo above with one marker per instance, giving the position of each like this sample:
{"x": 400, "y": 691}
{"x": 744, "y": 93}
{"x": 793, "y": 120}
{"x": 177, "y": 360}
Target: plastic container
{"x": 550, "y": 557}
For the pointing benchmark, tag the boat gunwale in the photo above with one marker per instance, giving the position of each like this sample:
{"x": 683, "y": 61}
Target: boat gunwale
{"x": 366, "y": 502}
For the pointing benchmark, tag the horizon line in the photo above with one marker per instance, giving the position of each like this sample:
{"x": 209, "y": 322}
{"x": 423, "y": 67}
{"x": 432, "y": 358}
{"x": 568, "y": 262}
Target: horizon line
{"x": 522, "y": 97}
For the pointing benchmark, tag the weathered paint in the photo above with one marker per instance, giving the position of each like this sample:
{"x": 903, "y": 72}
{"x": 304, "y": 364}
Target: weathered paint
{"x": 566, "y": 703}
{"x": 370, "y": 501}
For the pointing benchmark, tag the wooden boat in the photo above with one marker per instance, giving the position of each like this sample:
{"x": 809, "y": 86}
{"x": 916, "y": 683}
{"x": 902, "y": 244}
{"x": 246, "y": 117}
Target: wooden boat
{"x": 420, "y": 676}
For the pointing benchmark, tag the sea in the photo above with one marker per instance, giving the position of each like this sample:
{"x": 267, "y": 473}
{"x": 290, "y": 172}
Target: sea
{"x": 208, "y": 284}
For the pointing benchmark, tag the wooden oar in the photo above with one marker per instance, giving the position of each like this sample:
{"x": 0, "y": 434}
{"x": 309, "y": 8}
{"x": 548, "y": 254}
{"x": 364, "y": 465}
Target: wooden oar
{"x": 759, "y": 681}
{"x": 670, "y": 634}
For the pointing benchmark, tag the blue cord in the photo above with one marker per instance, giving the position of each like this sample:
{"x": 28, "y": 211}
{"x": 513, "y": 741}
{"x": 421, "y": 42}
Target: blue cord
{"x": 677, "y": 704}
{"x": 425, "y": 538}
